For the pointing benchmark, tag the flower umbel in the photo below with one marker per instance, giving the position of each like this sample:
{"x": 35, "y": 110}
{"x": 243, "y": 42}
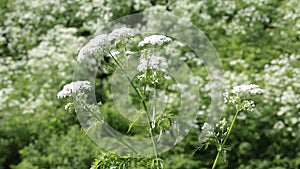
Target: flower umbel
{"x": 236, "y": 95}
{"x": 92, "y": 46}
{"x": 239, "y": 97}
{"x": 103, "y": 41}
{"x": 251, "y": 88}
{"x": 74, "y": 87}
{"x": 121, "y": 32}
{"x": 152, "y": 62}
{"x": 155, "y": 40}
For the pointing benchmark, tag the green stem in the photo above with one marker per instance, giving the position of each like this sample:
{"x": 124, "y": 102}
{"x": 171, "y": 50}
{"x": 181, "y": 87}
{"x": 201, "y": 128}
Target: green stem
{"x": 226, "y": 138}
{"x": 144, "y": 105}
{"x": 231, "y": 126}
{"x": 216, "y": 160}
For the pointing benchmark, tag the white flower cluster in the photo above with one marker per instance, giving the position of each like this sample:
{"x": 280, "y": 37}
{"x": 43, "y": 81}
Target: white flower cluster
{"x": 279, "y": 125}
{"x": 222, "y": 124}
{"x": 235, "y": 96}
{"x": 239, "y": 62}
{"x": 152, "y": 62}
{"x": 215, "y": 130}
{"x": 248, "y": 105}
{"x": 208, "y": 129}
{"x": 74, "y": 87}
{"x": 92, "y": 46}
{"x": 155, "y": 40}
{"x": 121, "y": 32}
{"x": 251, "y": 88}
{"x": 281, "y": 77}
{"x": 103, "y": 40}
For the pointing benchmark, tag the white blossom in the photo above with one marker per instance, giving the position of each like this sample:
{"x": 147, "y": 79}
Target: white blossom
{"x": 73, "y": 87}
{"x": 99, "y": 40}
{"x": 221, "y": 124}
{"x": 251, "y": 88}
{"x": 68, "y": 106}
{"x": 208, "y": 129}
{"x": 102, "y": 40}
{"x": 155, "y": 39}
{"x": 279, "y": 125}
{"x": 121, "y": 32}
{"x": 283, "y": 110}
{"x": 229, "y": 98}
{"x": 115, "y": 53}
{"x": 242, "y": 103}
{"x": 152, "y": 62}
{"x": 294, "y": 120}
{"x": 248, "y": 105}
{"x": 92, "y": 46}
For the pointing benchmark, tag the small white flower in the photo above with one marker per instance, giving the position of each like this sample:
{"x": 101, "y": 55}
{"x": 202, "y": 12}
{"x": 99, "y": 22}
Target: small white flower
{"x": 73, "y": 87}
{"x": 68, "y": 106}
{"x": 283, "y": 110}
{"x": 207, "y": 128}
{"x": 229, "y": 98}
{"x": 248, "y": 105}
{"x": 222, "y": 123}
{"x": 155, "y": 39}
{"x": 294, "y": 120}
{"x": 279, "y": 125}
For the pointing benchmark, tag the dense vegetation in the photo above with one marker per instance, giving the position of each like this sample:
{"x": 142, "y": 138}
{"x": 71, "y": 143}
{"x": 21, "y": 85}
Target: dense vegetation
{"x": 258, "y": 42}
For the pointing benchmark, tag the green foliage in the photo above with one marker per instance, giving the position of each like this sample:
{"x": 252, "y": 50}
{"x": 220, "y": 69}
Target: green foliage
{"x": 110, "y": 160}
{"x": 67, "y": 150}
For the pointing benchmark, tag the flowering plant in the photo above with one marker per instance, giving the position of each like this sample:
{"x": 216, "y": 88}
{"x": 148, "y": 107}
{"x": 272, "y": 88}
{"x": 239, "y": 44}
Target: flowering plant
{"x": 148, "y": 87}
{"x": 218, "y": 134}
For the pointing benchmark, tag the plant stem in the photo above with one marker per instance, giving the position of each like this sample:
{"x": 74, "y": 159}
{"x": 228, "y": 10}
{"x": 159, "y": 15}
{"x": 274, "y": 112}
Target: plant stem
{"x": 231, "y": 126}
{"x": 226, "y": 138}
{"x": 216, "y": 160}
{"x": 144, "y": 105}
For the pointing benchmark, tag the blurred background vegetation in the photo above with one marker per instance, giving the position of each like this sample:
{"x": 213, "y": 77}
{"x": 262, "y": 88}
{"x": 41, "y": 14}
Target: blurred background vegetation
{"x": 258, "y": 42}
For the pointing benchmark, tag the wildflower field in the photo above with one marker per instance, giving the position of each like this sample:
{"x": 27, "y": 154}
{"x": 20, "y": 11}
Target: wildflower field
{"x": 144, "y": 84}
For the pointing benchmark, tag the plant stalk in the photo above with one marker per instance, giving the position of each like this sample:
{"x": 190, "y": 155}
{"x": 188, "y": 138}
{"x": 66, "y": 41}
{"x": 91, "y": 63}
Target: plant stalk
{"x": 226, "y": 138}
{"x": 144, "y": 105}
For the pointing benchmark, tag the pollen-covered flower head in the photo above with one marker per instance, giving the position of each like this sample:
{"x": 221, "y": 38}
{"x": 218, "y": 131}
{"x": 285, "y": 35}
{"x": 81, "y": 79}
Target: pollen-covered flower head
{"x": 74, "y": 87}
{"x": 155, "y": 40}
